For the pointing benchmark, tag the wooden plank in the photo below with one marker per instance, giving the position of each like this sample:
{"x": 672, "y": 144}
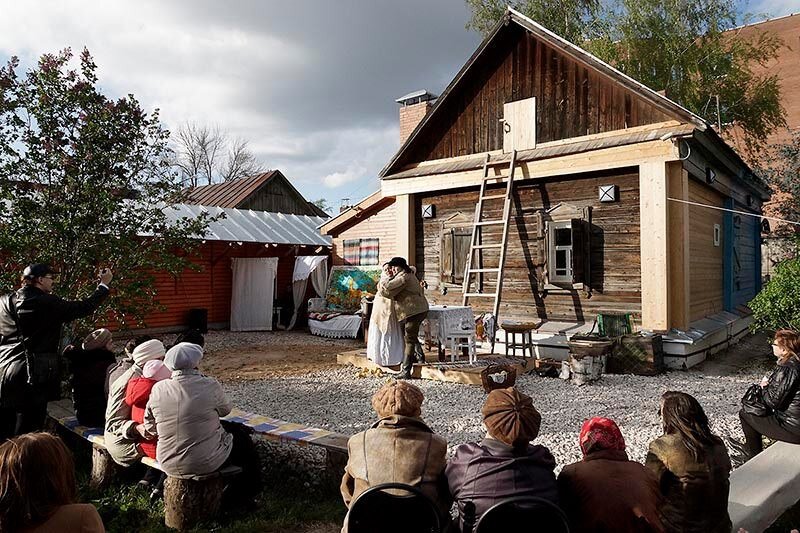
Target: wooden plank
{"x": 654, "y": 245}
{"x": 679, "y": 239}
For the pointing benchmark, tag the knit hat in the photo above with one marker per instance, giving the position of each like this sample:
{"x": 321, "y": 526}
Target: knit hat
{"x": 156, "y": 370}
{"x": 183, "y": 356}
{"x": 147, "y": 351}
{"x": 99, "y": 338}
{"x": 510, "y": 417}
{"x": 600, "y": 433}
{"x": 398, "y": 398}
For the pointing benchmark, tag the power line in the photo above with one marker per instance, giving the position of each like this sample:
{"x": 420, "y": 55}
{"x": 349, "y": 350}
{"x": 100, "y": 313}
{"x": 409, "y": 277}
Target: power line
{"x": 745, "y": 213}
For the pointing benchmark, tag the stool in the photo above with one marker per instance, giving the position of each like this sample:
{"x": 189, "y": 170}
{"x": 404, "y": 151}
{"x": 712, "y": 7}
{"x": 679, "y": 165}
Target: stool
{"x": 525, "y": 331}
{"x": 458, "y": 340}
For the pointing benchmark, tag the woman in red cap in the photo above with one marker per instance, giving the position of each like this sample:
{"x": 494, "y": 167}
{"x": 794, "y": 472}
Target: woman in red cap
{"x": 606, "y": 491}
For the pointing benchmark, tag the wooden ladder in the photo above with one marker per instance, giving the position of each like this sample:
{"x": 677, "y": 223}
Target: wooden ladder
{"x": 477, "y": 244}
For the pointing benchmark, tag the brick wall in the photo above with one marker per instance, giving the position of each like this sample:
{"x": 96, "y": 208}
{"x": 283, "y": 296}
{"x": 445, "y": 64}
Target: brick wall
{"x": 410, "y": 116}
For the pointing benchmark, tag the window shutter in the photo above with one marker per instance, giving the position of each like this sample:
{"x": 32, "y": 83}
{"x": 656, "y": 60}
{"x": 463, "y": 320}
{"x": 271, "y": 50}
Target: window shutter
{"x": 446, "y": 257}
{"x": 580, "y": 251}
{"x": 461, "y": 238}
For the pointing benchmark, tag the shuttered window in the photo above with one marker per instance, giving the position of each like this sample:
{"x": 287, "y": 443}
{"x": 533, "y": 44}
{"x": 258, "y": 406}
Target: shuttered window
{"x": 567, "y": 252}
{"x": 453, "y": 254}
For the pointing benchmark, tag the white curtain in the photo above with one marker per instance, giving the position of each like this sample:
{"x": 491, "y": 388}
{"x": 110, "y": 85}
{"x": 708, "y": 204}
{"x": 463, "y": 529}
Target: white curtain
{"x": 252, "y": 293}
{"x": 305, "y": 266}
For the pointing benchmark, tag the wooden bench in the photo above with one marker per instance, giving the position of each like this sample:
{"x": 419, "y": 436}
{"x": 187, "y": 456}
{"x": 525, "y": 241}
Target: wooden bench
{"x": 765, "y": 487}
{"x": 188, "y": 501}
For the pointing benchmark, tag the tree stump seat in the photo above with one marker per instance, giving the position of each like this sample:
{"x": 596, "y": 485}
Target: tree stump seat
{"x": 193, "y": 499}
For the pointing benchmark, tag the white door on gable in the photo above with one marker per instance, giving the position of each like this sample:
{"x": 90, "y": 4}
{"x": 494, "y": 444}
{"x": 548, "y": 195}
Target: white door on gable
{"x": 519, "y": 125}
{"x": 252, "y": 293}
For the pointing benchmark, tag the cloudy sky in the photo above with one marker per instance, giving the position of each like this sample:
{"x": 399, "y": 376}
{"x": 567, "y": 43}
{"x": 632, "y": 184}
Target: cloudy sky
{"x": 310, "y": 83}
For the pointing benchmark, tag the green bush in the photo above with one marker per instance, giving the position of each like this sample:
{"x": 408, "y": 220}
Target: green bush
{"x": 777, "y": 306}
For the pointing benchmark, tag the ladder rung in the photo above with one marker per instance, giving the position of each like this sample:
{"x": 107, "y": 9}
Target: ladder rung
{"x": 493, "y": 197}
{"x": 490, "y": 222}
{"x": 482, "y": 246}
{"x": 474, "y": 270}
{"x": 479, "y": 294}
{"x": 500, "y": 177}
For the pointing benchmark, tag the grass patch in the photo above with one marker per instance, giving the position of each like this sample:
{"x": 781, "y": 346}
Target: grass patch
{"x": 287, "y": 503}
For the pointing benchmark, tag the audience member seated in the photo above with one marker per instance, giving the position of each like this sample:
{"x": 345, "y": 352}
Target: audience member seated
{"x": 89, "y": 366}
{"x": 606, "y": 491}
{"x": 138, "y": 392}
{"x": 505, "y": 463}
{"x": 398, "y": 448}
{"x": 191, "y": 335}
{"x": 122, "y": 434}
{"x": 780, "y": 398}
{"x": 37, "y": 488}
{"x": 125, "y": 361}
{"x": 692, "y": 468}
{"x": 184, "y": 414}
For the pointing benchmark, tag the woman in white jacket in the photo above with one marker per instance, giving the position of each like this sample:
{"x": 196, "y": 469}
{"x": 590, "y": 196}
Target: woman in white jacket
{"x": 385, "y": 338}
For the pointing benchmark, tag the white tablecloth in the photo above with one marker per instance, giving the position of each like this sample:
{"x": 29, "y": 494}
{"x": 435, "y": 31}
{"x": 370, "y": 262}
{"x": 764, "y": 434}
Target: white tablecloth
{"x": 442, "y": 319}
{"x": 338, "y": 327}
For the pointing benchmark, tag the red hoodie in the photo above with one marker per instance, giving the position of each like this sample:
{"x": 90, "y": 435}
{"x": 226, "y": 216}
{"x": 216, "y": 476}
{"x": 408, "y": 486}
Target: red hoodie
{"x": 136, "y": 395}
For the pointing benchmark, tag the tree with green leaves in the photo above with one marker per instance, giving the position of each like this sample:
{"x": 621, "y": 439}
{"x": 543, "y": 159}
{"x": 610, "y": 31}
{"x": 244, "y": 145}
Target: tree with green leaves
{"x": 86, "y": 181}
{"x": 682, "y": 47}
{"x": 782, "y": 170}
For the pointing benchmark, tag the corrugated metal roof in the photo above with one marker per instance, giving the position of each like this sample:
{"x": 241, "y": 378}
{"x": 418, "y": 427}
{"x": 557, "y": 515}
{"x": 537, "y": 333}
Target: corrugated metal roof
{"x": 229, "y": 193}
{"x": 241, "y": 225}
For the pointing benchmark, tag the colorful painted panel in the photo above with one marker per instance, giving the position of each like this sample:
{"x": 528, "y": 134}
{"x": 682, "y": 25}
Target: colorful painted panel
{"x": 347, "y": 284}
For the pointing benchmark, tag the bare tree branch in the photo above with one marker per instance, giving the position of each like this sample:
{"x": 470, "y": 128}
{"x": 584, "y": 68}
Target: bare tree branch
{"x": 205, "y": 154}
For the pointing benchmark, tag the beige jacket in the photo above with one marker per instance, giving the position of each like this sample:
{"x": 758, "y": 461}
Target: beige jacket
{"x": 397, "y": 449}
{"x": 406, "y": 293}
{"x": 184, "y": 412}
{"x": 120, "y": 433}
{"x": 73, "y": 517}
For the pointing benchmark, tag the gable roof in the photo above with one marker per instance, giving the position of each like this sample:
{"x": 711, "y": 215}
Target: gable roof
{"x": 230, "y": 193}
{"x": 366, "y": 207}
{"x": 562, "y": 45}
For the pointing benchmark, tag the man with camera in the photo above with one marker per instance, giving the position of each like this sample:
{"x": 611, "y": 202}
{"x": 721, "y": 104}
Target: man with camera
{"x": 30, "y": 329}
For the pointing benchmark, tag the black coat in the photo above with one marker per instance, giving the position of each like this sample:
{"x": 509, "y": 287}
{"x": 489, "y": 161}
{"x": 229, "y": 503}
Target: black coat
{"x": 89, "y": 369}
{"x": 782, "y": 394}
{"x": 40, "y": 316}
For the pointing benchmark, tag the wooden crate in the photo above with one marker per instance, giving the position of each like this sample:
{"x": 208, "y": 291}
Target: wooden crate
{"x": 637, "y": 354}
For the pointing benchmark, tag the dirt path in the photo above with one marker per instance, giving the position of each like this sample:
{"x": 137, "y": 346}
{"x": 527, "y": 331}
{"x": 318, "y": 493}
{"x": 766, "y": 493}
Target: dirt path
{"x": 255, "y": 355}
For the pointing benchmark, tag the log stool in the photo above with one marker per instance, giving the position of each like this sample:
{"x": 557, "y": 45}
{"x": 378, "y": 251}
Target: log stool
{"x": 190, "y": 501}
{"x": 525, "y": 331}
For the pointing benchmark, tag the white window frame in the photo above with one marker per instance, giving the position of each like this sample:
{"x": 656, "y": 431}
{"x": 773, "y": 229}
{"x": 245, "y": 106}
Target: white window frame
{"x": 552, "y": 276}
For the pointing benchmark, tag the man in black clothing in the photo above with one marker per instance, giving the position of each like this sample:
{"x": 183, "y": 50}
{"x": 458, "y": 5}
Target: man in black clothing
{"x": 30, "y": 327}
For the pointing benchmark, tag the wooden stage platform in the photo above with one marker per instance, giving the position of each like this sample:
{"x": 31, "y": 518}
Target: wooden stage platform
{"x": 458, "y": 372}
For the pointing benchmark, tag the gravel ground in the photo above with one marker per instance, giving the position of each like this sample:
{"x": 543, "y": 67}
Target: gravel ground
{"x": 339, "y": 400}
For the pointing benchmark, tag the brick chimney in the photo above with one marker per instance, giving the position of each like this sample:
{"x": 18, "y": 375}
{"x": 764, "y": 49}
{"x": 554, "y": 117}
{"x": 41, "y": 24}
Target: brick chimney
{"x": 413, "y": 108}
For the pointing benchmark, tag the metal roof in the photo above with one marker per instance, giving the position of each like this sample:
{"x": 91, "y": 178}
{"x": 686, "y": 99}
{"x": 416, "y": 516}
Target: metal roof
{"x": 229, "y": 193}
{"x": 422, "y": 95}
{"x": 240, "y": 225}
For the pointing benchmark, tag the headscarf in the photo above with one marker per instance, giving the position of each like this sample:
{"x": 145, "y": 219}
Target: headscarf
{"x": 147, "y": 351}
{"x": 600, "y": 433}
{"x": 398, "y": 398}
{"x": 510, "y": 417}
{"x": 156, "y": 370}
{"x": 183, "y": 356}
{"x": 99, "y": 338}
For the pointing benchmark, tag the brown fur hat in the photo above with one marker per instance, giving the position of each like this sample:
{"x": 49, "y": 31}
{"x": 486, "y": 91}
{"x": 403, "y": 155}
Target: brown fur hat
{"x": 398, "y": 398}
{"x": 510, "y": 417}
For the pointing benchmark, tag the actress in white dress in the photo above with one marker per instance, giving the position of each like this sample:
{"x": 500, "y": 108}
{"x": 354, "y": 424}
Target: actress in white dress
{"x": 385, "y": 338}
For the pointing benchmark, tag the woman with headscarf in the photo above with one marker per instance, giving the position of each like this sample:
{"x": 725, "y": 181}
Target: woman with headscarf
{"x": 88, "y": 365}
{"x": 606, "y": 492}
{"x": 184, "y": 412}
{"x": 692, "y": 468}
{"x": 398, "y": 448}
{"x": 410, "y": 307}
{"x": 504, "y": 463}
{"x": 122, "y": 434}
{"x": 385, "y": 338}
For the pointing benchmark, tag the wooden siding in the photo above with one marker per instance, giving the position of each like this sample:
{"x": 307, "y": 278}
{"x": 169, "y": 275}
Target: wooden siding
{"x": 615, "y": 258}
{"x": 745, "y": 267}
{"x": 210, "y": 287}
{"x": 381, "y": 225}
{"x": 705, "y": 260}
{"x": 572, "y": 100}
{"x": 278, "y": 196}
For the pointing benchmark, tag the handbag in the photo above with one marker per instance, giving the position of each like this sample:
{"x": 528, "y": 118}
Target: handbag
{"x": 753, "y": 401}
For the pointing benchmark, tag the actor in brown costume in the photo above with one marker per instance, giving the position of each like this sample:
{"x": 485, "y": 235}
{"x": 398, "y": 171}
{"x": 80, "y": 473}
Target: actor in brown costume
{"x": 505, "y": 463}
{"x": 692, "y": 467}
{"x": 398, "y": 448}
{"x": 605, "y": 492}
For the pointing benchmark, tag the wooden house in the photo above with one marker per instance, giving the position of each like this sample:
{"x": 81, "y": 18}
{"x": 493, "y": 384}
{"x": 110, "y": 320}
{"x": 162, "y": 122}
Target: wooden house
{"x": 268, "y": 191}
{"x": 618, "y": 202}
